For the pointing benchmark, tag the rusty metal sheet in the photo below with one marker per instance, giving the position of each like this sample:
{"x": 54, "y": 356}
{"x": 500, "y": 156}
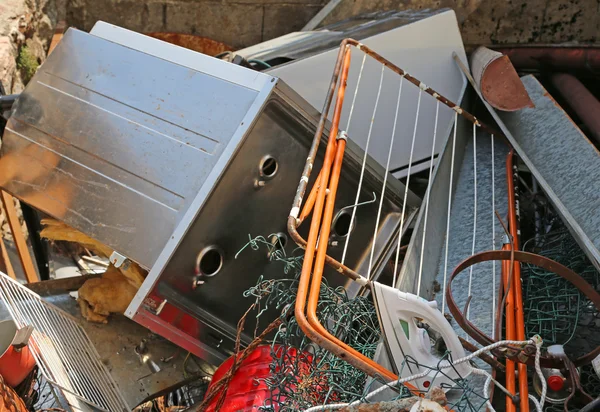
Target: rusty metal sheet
{"x": 498, "y": 80}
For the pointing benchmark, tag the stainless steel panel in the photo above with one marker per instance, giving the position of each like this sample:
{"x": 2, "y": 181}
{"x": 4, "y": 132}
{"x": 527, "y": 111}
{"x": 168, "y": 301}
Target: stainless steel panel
{"x": 302, "y": 44}
{"x": 236, "y": 209}
{"x": 117, "y": 142}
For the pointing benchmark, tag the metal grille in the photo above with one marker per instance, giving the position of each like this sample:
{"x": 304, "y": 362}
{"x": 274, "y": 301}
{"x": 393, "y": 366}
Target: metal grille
{"x": 63, "y": 351}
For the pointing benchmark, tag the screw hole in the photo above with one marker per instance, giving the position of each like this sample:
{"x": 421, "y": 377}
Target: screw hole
{"x": 268, "y": 166}
{"x": 341, "y": 223}
{"x": 209, "y": 261}
{"x": 279, "y": 241}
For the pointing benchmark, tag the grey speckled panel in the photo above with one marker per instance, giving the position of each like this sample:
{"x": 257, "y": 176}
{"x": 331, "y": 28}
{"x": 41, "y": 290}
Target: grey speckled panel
{"x": 460, "y": 237}
{"x": 460, "y": 241}
{"x": 563, "y": 160}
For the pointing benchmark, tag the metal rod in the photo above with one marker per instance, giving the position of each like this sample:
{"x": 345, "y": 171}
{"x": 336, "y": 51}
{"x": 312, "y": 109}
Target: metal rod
{"x": 349, "y": 354}
{"x": 448, "y": 213}
{"x": 510, "y": 322}
{"x": 362, "y": 169}
{"x": 493, "y": 238}
{"x": 437, "y": 110}
{"x": 5, "y": 263}
{"x": 474, "y": 212}
{"x": 516, "y": 281}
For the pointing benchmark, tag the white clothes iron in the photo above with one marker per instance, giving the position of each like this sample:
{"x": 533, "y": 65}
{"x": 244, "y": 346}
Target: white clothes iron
{"x": 409, "y": 345}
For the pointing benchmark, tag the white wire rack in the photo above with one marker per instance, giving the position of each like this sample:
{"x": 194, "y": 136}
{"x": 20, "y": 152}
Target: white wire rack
{"x": 63, "y": 351}
{"x": 467, "y": 173}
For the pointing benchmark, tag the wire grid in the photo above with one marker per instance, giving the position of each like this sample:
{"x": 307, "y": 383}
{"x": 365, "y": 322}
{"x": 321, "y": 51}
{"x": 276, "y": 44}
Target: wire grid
{"x": 304, "y": 375}
{"x": 63, "y": 351}
{"x": 555, "y": 308}
{"x": 407, "y": 114}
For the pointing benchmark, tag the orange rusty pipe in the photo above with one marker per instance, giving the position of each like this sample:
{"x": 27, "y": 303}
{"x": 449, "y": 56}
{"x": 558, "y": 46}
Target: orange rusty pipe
{"x": 327, "y": 216}
{"x": 309, "y": 254}
{"x": 310, "y": 200}
{"x": 344, "y": 351}
{"x": 516, "y": 280}
{"x": 510, "y": 330}
{"x": 315, "y": 287}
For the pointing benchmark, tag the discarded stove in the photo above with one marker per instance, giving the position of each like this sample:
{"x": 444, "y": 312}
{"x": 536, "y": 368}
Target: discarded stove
{"x": 173, "y": 159}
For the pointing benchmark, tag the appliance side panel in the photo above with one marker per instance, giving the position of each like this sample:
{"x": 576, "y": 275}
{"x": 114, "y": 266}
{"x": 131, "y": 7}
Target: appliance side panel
{"x": 424, "y": 49}
{"x": 117, "y": 143}
{"x": 240, "y": 207}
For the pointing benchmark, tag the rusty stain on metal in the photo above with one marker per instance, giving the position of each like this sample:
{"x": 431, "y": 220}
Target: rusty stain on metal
{"x": 498, "y": 80}
{"x": 197, "y": 43}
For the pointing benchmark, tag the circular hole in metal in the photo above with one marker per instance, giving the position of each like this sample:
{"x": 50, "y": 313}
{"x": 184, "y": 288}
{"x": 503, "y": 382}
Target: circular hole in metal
{"x": 210, "y": 261}
{"x": 341, "y": 223}
{"x": 279, "y": 241}
{"x": 268, "y": 166}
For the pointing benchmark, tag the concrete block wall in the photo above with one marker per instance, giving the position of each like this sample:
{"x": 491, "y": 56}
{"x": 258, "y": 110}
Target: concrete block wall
{"x": 501, "y": 21}
{"x": 241, "y": 23}
{"x": 237, "y": 23}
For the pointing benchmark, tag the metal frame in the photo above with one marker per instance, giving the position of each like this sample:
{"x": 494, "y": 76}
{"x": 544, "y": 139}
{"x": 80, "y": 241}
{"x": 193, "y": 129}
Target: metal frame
{"x": 322, "y": 211}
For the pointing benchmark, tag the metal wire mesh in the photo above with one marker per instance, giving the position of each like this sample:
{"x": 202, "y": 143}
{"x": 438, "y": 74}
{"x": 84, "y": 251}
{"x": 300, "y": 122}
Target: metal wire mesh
{"x": 555, "y": 308}
{"x": 304, "y": 375}
{"x": 63, "y": 351}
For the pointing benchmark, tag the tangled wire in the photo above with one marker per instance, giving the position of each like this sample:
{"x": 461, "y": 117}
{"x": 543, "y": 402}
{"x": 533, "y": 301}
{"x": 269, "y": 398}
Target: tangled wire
{"x": 311, "y": 375}
{"x": 304, "y": 375}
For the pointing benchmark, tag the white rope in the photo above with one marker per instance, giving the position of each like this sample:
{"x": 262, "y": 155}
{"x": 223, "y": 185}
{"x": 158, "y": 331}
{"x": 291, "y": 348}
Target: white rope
{"x": 474, "y": 211}
{"x": 448, "y": 212}
{"x": 410, "y": 159}
{"x": 387, "y": 169}
{"x": 362, "y": 170}
{"x": 536, "y": 340}
{"x": 437, "y": 110}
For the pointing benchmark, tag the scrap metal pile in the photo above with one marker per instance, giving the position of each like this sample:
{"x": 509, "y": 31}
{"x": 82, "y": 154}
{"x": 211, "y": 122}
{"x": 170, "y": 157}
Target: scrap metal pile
{"x": 438, "y": 254}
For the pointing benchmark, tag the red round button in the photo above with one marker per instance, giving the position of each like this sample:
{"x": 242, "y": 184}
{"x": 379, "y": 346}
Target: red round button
{"x": 556, "y": 383}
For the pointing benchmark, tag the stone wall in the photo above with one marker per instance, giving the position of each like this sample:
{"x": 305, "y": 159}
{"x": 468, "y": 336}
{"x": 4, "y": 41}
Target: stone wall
{"x": 502, "y": 21}
{"x": 237, "y": 23}
{"x": 26, "y": 28}
{"x": 241, "y": 23}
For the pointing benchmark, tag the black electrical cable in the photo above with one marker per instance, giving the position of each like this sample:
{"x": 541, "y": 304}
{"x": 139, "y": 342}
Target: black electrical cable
{"x": 592, "y": 406}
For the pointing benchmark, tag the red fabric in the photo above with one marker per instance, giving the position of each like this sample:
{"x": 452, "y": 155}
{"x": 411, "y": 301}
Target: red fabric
{"x": 247, "y": 390}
